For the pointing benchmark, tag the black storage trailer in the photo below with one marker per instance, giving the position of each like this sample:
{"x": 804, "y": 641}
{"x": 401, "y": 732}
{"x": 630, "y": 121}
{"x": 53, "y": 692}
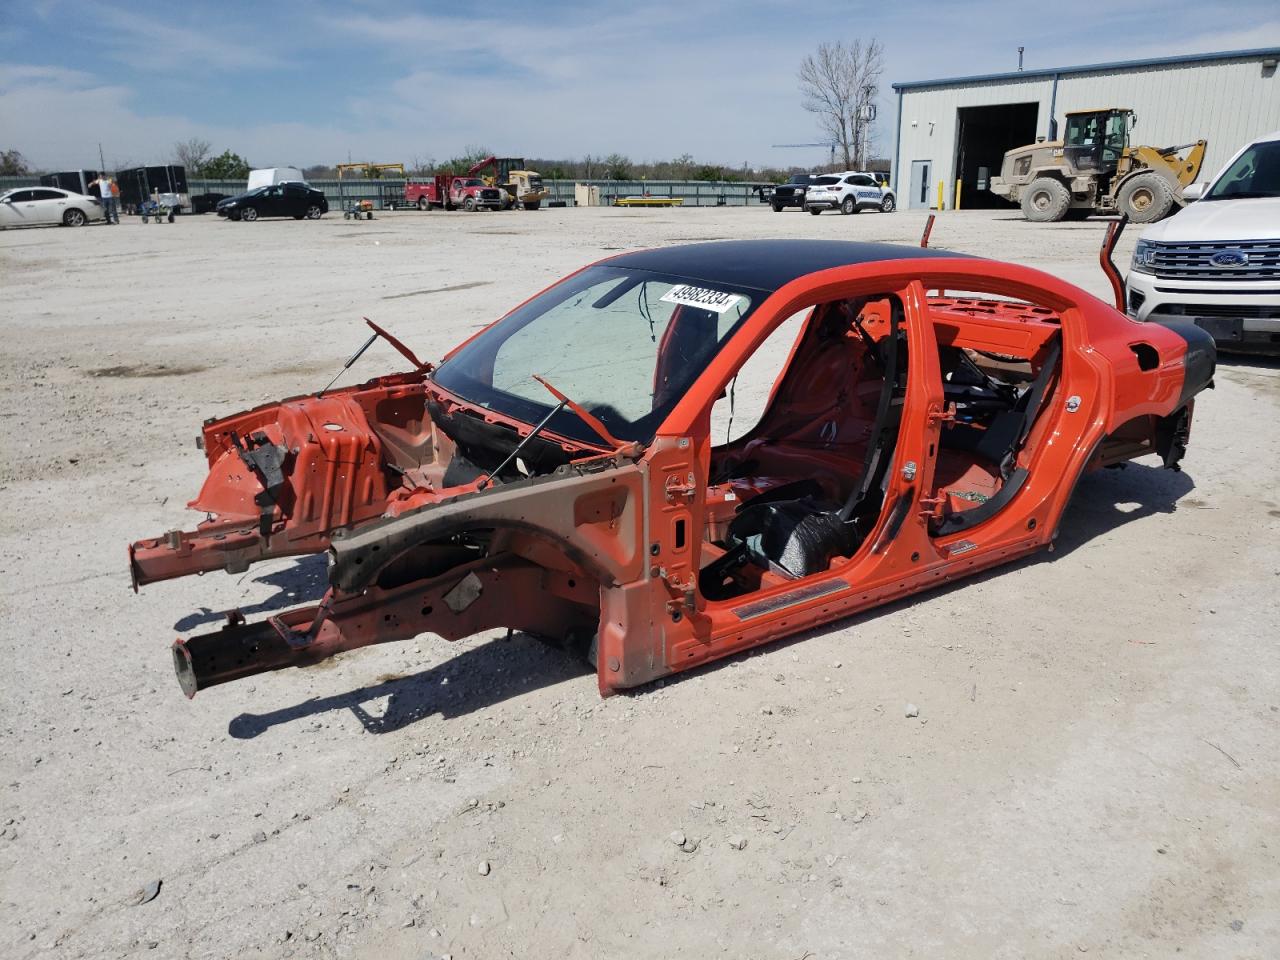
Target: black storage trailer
{"x": 77, "y": 181}
{"x": 138, "y": 183}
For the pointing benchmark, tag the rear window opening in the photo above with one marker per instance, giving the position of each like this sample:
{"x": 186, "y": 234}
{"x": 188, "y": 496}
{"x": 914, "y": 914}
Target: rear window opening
{"x": 991, "y": 304}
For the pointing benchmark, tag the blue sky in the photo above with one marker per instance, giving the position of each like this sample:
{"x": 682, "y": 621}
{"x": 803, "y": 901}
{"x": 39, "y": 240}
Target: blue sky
{"x": 303, "y": 83}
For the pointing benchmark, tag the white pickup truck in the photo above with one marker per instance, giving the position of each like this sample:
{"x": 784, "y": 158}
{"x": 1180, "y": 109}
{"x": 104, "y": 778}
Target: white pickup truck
{"x": 1217, "y": 261}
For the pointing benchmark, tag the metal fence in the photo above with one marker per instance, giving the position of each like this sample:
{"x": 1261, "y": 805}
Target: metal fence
{"x": 693, "y": 193}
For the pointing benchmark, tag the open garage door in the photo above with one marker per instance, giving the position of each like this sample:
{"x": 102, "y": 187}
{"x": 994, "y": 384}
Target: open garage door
{"x": 983, "y": 136}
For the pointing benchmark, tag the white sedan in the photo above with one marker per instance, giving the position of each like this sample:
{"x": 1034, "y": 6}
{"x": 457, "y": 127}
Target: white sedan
{"x": 44, "y": 206}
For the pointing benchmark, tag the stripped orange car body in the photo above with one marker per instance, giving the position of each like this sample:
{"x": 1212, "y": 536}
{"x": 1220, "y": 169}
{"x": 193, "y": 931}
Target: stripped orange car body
{"x": 557, "y": 473}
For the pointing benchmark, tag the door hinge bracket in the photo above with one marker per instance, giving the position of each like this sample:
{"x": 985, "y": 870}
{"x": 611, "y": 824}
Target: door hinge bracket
{"x": 678, "y": 487}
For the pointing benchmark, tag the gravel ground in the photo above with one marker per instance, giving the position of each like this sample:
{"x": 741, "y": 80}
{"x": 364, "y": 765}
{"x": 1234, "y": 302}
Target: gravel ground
{"x": 1095, "y": 767}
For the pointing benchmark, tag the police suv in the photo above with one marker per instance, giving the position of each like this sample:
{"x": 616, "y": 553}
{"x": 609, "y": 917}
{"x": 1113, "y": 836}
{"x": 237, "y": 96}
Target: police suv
{"x": 848, "y": 192}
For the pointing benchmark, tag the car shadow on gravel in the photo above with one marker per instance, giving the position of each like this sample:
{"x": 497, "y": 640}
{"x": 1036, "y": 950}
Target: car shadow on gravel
{"x": 477, "y": 678}
{"x": 503, "y": 668}
{"x": 303, "y": 581}
{"x": 1104, "y": 501}
{"x": 1108, "y": 499}
{"x": 1248, "y": 361}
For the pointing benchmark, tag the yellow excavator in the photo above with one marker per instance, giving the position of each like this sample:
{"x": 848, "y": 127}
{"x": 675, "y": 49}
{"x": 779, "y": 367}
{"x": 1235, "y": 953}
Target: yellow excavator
{"x": 1093, "y": 169}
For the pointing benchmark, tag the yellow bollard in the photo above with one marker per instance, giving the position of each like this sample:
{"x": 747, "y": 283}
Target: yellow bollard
{"x": 958, "y": 185}
{"x": 941, "y": 200}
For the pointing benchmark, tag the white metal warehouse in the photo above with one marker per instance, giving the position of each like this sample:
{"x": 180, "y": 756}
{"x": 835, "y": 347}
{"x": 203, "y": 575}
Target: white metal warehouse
{"x": 959, "y": 129}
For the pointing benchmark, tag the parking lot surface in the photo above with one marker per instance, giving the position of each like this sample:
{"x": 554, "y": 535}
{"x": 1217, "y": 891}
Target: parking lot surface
{"x": 1095, "y": 768}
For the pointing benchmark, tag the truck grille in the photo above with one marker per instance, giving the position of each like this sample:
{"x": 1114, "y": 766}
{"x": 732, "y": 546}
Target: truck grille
{"x": 490, "y": 194}
{"x": 1194, "y": 261}
{"x": 785, "y": 192}
{"x": 1244, "y": 310}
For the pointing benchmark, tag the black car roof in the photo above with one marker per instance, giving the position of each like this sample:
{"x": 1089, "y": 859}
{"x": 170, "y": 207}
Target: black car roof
{"x": 766, "y": 264}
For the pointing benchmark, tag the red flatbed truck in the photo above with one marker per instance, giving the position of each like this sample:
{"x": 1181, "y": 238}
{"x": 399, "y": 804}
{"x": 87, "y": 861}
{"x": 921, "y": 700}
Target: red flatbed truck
{"x": 509, "y": 184}
{"x": 451, "y": 191}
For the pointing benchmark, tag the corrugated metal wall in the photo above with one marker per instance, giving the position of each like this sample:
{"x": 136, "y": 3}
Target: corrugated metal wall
{"x": 927, "y": 128}
{"x": 1227, "y": 102}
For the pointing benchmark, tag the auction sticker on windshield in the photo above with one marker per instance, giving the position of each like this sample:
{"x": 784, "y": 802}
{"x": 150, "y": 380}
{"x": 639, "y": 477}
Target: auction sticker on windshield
{"x": 716, "y": 300}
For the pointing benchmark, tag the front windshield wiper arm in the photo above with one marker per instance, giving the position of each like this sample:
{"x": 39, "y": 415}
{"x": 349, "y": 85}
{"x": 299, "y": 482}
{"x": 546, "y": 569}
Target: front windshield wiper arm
{"x": 583, "y": 415}
{"x": 528, "y": 437}
{"x": 589, "y": 419}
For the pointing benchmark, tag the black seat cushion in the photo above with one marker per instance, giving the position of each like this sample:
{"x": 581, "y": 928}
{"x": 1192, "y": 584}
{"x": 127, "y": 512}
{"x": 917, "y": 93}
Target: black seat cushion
{"x": 794, "y": 538}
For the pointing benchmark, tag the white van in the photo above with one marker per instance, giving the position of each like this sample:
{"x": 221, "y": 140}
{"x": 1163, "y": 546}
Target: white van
{"x": 270, "y": 176}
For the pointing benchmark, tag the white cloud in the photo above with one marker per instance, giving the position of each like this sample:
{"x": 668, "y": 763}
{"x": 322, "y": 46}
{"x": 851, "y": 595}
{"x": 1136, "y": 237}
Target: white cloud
{"x": 44, "y": 9}
{"x": 29, "y": 74}
{"x": 644, "y": 85}
{"x": 159, "y": 44}
{"x": 652, "y": 82}
{"x": 1201, "y": 41}
{"x": 531, "y": 47}
{"x": 58, "y": 117}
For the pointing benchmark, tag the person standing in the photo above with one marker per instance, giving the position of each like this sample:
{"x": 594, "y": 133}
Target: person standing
{"x": 110, "y": 205}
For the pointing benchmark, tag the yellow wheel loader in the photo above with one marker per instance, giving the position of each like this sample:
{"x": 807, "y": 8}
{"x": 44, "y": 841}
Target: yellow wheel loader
{"x": 1093, "y": 169}
{"x": 523, "y": 187}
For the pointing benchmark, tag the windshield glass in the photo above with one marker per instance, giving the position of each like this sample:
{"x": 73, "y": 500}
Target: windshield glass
{"x": 825, "y": 181}
{"x": 1084, "y": 129}
{"x": 1255, "y": 173}
{"x": 624, "y": 344}
{"x": 1117, "y": 137}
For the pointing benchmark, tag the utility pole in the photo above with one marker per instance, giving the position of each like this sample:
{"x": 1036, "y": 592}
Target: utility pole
{"x": 1020, "y": 49}
{"x": 866, "y": 115}
{"x": 102, "y": 164}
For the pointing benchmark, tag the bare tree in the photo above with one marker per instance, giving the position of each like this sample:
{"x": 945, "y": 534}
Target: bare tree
{"x": 13, "y": 164}
{"x": 681, "y": 166}
{"x": 421, "y": 166}
{"x": 839, "y": 84}
{"x": 192, "y": 154}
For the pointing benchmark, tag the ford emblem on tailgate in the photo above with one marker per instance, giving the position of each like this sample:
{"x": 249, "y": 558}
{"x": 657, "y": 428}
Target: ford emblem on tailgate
{"x": 1230, "y": 258}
